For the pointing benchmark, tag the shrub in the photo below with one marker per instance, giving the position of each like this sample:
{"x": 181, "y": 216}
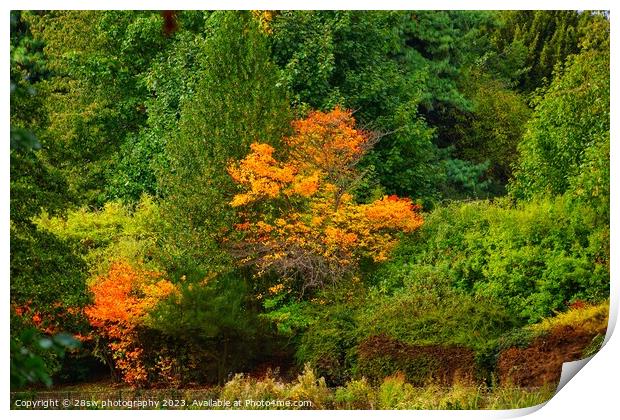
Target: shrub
{"x": 328, "y": 344}
{"x": 591, "y": 318}
{"x": 357, "y": 394}
{"x": 530, "y": 258}
{"x": 306, "y": 388}
{"x": 116, "y": 232}
{"x": 393, "y": 392}
{"x": 433, "y": 314}
{"x": 244, "y": 389}
{"x": 122, "y": 301}
{"x": 382, "y": 356}
{"x": 310, "y": 388}
{"x": 211, "y": 321}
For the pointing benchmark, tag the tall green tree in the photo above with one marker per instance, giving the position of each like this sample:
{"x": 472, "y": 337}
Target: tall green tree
{"x": 526, "y": 45}
{"x": 237, "y": 100}
{"x": 397, "y": 70}
{"x": 46, "y": 277}
{"x": 569, "y": 132}
{"x": 96, "y": 94}
{"x": 492, "y": 128}
{"x": 43, "y": 269}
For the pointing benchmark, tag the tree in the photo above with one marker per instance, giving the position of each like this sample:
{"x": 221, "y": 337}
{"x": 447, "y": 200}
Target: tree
{"x": 300, "y": 219}
{"x": 527, "y": 45}
{"x": 172, "y": 74}
{"x": 95, "y": 94}
{"x": 357, "y": 60}
{"x": 46, "y": 277}
{"x": 45, "y": 274}
{"x": 570, "y": 125}
{"x": 491, "y": 130}
{"x": 214, "y": 327}
{"x": 237, "y": 99}
{"x": 122, "y": 301}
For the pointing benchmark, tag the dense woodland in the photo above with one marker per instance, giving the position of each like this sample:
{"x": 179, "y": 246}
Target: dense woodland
{"x": 400, "y": 198}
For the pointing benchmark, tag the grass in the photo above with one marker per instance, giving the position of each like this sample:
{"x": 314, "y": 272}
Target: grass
{"x": 394, "y": 393}
{"x": 592, "y": 318}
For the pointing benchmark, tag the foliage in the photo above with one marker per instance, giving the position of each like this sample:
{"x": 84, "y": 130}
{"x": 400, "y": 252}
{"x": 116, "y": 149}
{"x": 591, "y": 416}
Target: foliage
{"x": 49, "y": 279}
{"x": 122, "y": 300}
{"x": 532, "y": 258}
{"x": 255, "y": 393}
{"x": 328, "y": 340}
{"x": 527, "y": 45}
{"x": 465, "y": 179}
{"x": 313, "y": 228}
{"x": 28, "y": 353}
{"x": 592, "y": 318}
{"x": 171, "y": 77}
{"x": 116, "y": 232}
{"x": 27, "y": 66}
{"x": 364, "y": 61}
{"x": 215, "y": 322}
{"x": 235, "y": 101}
{"x": 95, "y": 93}
{"x": 570, "y": 124}
{"x": 242, "y": 190}
{"x": 47, "y": 286}
{"x": 491, "y": 130}
{"x": 357, "y": 394}
{"x": 431, "y": 313}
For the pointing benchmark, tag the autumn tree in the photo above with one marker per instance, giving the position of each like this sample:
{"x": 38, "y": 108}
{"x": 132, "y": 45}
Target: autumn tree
{"x": 300, "y": 219}
{"x": 122, "y": 301}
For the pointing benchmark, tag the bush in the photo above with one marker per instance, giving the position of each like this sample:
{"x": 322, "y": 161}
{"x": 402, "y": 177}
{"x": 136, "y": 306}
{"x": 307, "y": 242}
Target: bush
{"x": 427, "y": 311}
{"x": 116, "y": 232}
{"x": 310, "y": 388}
{"x": 569, "y": 131}
{"x": 244, "y": 389}
{"x": 382, "y": 356}
{"x": 393, "y": 391}
{"x": 306, "y": 388}
{"x": 591, "y": 318}
{"x": 531, "y": 258}
{"x": 211, "y": 323}
{"x": 328, "y": 344}
{"x": 357, "y": 394}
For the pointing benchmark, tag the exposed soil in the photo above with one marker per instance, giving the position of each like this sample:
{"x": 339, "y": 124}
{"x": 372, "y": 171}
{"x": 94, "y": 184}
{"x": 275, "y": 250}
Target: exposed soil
{"x": 541, "y": 362}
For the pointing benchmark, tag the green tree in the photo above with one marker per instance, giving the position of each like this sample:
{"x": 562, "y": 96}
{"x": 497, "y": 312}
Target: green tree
{"x": 46, "y": 278}
{"x": 171, "y": 75}
{"x": 95, "y": 96}
{"x": 570, "y": 126}
{"x": 491, "y": 130}
{"x": 398, "y": 70}
{"x": 213, "y": 320}
{"x": 528, "y": 44}
{"x": 237, "y": 100}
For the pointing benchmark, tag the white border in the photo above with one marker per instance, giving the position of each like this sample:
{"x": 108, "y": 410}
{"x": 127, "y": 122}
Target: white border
{"x": 593, "y": 393}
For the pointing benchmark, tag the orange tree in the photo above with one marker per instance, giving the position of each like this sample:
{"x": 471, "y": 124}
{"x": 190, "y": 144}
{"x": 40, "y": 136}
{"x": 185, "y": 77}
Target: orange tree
{"x": 299, "y": 218}
{"x": 122, "y": 301}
